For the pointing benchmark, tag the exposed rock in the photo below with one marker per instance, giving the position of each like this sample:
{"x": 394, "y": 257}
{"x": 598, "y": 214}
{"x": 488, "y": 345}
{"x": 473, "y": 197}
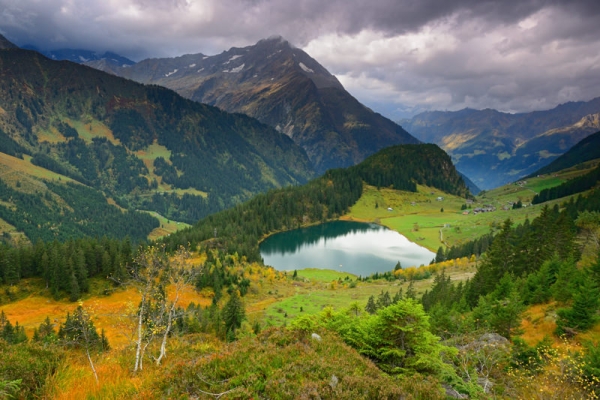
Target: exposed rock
{"x": 334, "y": 381}
{"x": 451, "y": 392}
{"x": 316, "y": 337}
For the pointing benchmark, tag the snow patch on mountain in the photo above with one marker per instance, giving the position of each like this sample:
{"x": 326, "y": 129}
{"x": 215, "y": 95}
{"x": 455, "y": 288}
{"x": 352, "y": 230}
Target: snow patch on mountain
{"x": 191, "y": 65}
{"x": 236, "y": 69}
{"x": 305, "y": 68}
{"x": 171, "y": 73}
{"x": 232, "y": 58}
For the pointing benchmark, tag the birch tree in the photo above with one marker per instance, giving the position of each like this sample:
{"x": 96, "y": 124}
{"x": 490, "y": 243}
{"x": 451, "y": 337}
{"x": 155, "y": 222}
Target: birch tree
{"x": 155, "y": 275}
{"x": 179, "y": 275}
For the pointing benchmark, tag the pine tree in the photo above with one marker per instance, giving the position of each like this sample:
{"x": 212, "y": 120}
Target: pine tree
{"x": 371, "y": 307}
{"x": 45, "y": 332}
{"x": 411, "y": 293}
{"x": 568, "y": 279}
{"x": 500, "y": 260}
{"x": 439, "y": 256}
{"x": 582, "y": 315}
{"x": 233, "y": 312}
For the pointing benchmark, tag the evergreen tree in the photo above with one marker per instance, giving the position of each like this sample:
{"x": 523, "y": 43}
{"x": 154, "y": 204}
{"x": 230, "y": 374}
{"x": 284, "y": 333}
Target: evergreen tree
{"x": 45, "y": 332}
{"x": 500, "y": 260}
{"x": 233, "y": 313}
{"x": 411, "y": 293}
{"x": 582, "y": 315}
{"x": 501, "y": 310}
{"x": 538, "y": 286}
{"x": 383, "y": 300}
{"x": 439, "y": 256}
{"x": 568, "y": 279}
{"x": 371, "y": 307}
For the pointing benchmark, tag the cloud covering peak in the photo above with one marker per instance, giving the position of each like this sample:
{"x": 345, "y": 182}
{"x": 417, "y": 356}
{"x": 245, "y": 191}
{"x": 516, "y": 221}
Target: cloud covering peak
{"x": 397, "y": 56}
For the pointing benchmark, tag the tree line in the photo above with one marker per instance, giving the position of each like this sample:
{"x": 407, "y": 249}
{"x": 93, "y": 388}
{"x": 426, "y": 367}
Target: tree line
{"x": 573, "y": 186}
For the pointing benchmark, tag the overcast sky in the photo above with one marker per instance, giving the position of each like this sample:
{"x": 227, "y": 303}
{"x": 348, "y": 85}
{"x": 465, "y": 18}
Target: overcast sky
{"x": 396, "y": 56}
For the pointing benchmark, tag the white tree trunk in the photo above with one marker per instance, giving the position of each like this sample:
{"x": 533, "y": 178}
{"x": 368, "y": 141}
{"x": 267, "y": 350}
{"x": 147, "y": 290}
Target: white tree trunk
{"x": 138, "y": 351}
{"x": 87, "y": 351}
{"x": 163, "y": 345}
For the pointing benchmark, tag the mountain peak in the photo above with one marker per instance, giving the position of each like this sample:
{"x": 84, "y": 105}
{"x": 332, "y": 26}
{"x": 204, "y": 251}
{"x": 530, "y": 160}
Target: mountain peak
{"x": 6, "y": 44}
{"x": 275, "y": 39}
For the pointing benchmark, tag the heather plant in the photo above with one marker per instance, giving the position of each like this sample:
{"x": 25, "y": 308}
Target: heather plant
{"x": 31, "y": 363}
{"x": 562, "y": 376}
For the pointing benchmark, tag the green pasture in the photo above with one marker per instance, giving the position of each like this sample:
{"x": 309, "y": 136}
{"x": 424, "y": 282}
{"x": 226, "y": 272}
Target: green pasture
{"x": 311, "y": 295}
{"x": 322, "y": 275}
{"x": 166, "y": 226}
{"x": 420, "y": 218}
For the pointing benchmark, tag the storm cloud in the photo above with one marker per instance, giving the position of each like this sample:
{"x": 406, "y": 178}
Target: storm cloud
{"x": 397, "y": 56}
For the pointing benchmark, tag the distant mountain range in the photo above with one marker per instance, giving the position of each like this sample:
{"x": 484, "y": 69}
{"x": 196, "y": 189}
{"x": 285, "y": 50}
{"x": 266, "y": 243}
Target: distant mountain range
{"x": 281, "y": 86}
{"x": 82, "y": 56}
{"x": 586, "y": 150}
{"x": 134, "y": 146}
{"x": 493, "y": 148}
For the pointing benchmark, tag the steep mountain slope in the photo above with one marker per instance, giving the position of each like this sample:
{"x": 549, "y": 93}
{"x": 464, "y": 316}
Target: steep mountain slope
{"x": 494, "y": 148}
{"x": 585, "y": 150}
{"x": 281, "y": 86}
{"x": 143, "y": 147}
{"x": 6, "y": 44}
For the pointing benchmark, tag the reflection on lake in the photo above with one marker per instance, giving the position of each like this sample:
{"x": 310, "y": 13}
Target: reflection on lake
{"x": 354, "y": 247}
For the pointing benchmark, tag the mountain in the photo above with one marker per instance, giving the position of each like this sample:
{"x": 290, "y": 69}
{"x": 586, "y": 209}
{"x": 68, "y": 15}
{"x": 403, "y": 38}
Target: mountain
{"x": 283, "y": 87}
{"x": 135, "y": 146}
{"x": 586, "y": 150}
{"x": 473, "y": 188}
{"x": 83, "y": 56}
{"x": 493, "y": 148}
{"x": 6, "y": 44}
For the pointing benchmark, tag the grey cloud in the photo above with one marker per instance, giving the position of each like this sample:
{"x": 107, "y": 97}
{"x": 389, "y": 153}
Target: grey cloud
{"x": 486, "y": 62}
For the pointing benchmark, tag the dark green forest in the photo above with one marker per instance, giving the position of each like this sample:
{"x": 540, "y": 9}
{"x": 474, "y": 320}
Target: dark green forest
{"x": 573, "y": 186}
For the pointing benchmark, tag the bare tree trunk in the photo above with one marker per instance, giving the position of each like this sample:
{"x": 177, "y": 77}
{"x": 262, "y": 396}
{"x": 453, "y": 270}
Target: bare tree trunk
{"x": 138, "y": 351}
{"x": 163, "y": 345}
{"x": 87, "y": 352}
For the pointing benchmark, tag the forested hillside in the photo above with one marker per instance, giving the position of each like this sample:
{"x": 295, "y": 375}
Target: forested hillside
{"x": 131, "y": 143}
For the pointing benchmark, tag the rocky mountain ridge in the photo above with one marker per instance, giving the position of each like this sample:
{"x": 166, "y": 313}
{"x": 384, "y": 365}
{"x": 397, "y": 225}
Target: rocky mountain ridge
{"x": 493, "y": 148}
{"x": 281, "y": 86}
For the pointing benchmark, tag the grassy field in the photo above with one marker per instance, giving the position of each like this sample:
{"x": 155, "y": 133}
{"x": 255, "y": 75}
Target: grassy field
{"x": 432, "y": 223}
{"x": 166, "y": 227}
{"x": 90, "y": 129}
{"x": 13, "y": 168}
{"x": 313, "y": 290}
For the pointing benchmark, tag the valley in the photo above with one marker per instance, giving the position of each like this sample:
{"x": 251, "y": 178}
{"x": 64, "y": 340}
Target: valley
{"x": 132, "y": 217}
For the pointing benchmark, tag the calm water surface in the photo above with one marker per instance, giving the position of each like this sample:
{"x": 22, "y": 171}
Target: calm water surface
{"x": 354, "y": 247}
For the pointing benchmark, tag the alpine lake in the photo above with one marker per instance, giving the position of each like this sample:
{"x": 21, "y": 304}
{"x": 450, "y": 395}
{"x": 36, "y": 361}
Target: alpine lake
{"x": 354, "y": 247}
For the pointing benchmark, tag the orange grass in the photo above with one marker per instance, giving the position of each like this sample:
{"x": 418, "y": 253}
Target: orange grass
{"x": 76, "y": 381}
{"x": 111, "y": 313}
{"x": 538, "y": 323}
